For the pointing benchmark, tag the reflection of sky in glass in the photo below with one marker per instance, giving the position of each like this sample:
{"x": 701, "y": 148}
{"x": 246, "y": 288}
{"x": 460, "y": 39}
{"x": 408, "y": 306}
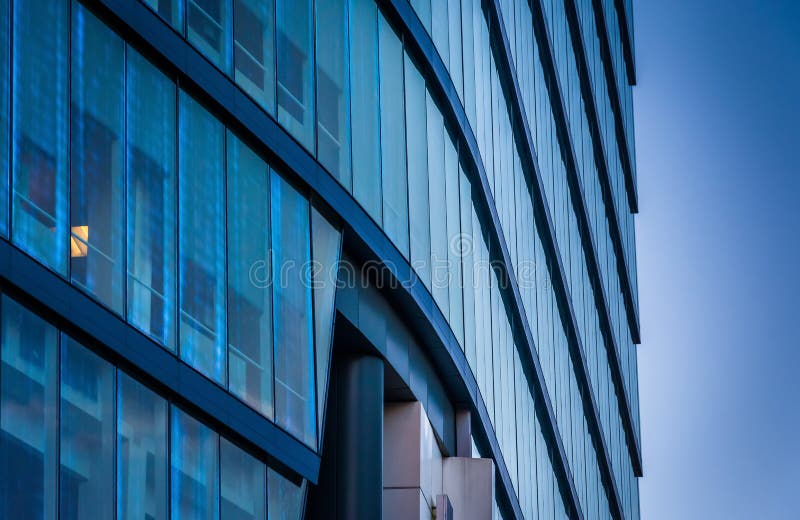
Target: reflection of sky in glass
{"x": 718, "y": 142}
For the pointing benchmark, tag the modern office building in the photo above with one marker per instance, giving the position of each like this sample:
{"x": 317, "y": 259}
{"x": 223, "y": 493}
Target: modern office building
{"x": 317, "y": 258}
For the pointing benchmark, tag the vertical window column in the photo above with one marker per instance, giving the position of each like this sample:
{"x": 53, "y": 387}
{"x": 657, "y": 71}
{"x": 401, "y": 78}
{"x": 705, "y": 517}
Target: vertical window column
{"x": 5, "y": 110}
{"x": 254, "y": 50}
{"x": 97, "y": 181}
{"x": 208, "y": 27}
{"x": 195, "y": 468}
{"x": 201, "y": 248}
{"x": 41, "y": 136}
{"x": 150, "y": 202}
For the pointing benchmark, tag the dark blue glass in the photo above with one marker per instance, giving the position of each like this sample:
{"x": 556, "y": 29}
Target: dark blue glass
{"x": 295, "y": 405}
{"x": 254, "y": 50}
{"x": 97, "y": 182}
{"x": 285, "y": 499}
{"x": 28, "y": 415}
{"x": 326, "y": 246}
{"x": 201, "y": 202}
{"x": 195, "y": 469}
{"x": 5, "y": 121}
{"x": 169, "y": 10}
{"x": 243, "y": 486}
{"x": 86, "y": 478}
{"x": 393, "y": 138}
{"x": 333, "y": 89}
{"x": 209, "y": 28}
{"x": 141, "y": 452}
{"x": 151, "y": 211}
{"x": 41, "y": 131}
{"x": 365, "y": 112}
{"x": 249, "y": 277}
{"x": 295, "y": 58}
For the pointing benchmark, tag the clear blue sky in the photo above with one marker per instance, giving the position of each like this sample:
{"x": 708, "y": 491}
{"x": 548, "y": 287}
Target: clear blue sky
{"x": 718, "y": 142}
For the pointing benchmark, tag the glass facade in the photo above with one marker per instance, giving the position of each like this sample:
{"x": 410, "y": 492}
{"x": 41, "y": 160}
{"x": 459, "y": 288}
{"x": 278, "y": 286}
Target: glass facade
{"x": 141, "y": 191}
{"x": 83, "y": 439}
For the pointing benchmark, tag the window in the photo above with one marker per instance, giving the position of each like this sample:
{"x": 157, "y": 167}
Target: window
{"x": 437, "y": 196}
{"x": 295, "y": 407}
{"x": 285, "y": 498}
{"x": 249, "y": 278}
{"x": 195, "y": 469}
{"x": 295, "y": 59}
{"x": 454, "y": 240}
{"x": 141, "y": 452}
{"x": 242, "y": 484}
{"x": 96, "y": 191}
{"x": 333, "y": 102}
{"x": 393, "y": 143}
{"x": 326, "y": 244}
{"x": 169, "y": 10}
{"x": 41, "y": 140}
{"x": 254, "y": 49}
{"x": 28, "y": 414}
{"x": 201, "y": 200}
{"x": 365, "y": 113}
{"x": 5, "y": 122}
{"x": 208, "y": 26}
{"x": 86, "y": 478}
{"x": 150, "y": 157}
{"x": 417, "y": 146}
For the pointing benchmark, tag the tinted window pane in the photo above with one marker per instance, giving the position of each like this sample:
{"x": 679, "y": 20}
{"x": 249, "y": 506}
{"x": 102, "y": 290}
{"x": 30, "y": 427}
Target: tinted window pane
{"x": 86, "y": 479}
{"x": 365, "y": 122}
{"x": 333, "y": 103}
{"x": 208, "y": 26}
{"x": 295, "y": 59}
{"x": 325, "y": 245}
{"x": 285, "y": 498}
{"x": 150, "y": 157}
{"x": 202, "y": 239}
{"x": 28, "y": 415}
{"x": 5, "y": 123}
{"x": 195, "y": 472}
{"x": 294, "y": 348}
{"x": 41, "y": 105}
{"x": 141, "y": 452}
{"x": 249, "y": 276}
{"x": 254, "y": 49}
{"x": 417, "y": 145}
{"x": 243, "y": 484}
{"x": 454, "y": 240}
{"x": 393, "y": 144}
{"x": 438, "y": 213}
{"x": 96, "y": 220}
{"x": 169, "y": 10}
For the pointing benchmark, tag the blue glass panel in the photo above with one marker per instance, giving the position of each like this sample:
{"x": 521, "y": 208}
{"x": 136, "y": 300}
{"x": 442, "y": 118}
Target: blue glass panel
{"x": 96, "y": 191}
{"x": 195, "y": 469}
{"x": 326, "y": 246}
{"x": 295, "y": 406}
{"x": 455, "y": 242}
{"x": 254, "y": 49}
{"x": 28, "y": 415}
{"x": 249, "y": 277}
{"x": 438, "y": 209}
{"x": 208, "y": 27}
{"x": 417, "y": 147}
{"x": 285, "y": 498}
{"x": 333, "y": 89}
{"x": 169, "y": 10}
{"x": 5, "y": 122}
{"x": 295, "y": 69}
{"x": 41, "y": 138}
{"x": 201, "y": 201}
{"x": 243, "y": 484}
{"x": 365, "y": 122}
{"x": 141, "y": 452}
{"x": 86, "y": 478}
{"x": 150, "y": 161}
{"x": 393, "y": 141}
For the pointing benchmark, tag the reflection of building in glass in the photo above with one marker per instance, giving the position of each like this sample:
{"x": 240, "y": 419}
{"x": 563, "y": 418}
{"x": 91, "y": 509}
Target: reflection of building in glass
{"x": 340, "y": 258}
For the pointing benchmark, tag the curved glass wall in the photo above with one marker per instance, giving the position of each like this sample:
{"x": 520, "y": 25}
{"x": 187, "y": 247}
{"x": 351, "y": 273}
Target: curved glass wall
{"x": 166, "y": 215}
{"x": 82, "y": 439}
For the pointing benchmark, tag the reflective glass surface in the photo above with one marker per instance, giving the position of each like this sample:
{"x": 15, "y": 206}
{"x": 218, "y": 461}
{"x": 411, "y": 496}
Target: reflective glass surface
{"x": 295, "y": 57}
{"x": 254, "y": 50}
{"x": 208, "y": 27}
{"x": 194, "y": 475}
{"x": 242, "y": 484}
